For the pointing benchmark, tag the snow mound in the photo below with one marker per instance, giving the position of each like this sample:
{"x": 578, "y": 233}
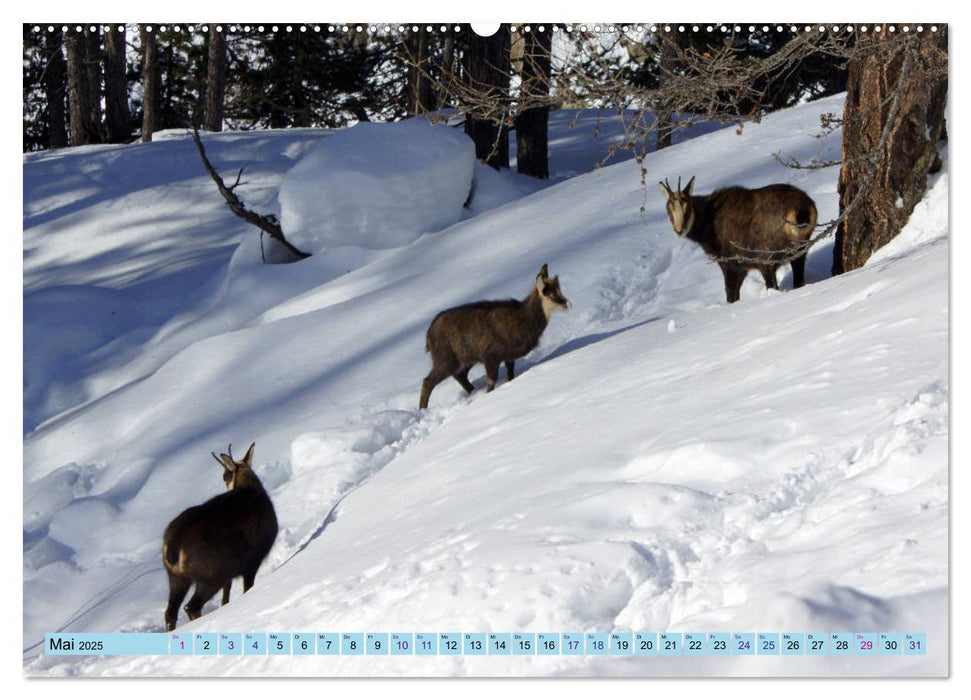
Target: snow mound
{"x": 377, "y": 186}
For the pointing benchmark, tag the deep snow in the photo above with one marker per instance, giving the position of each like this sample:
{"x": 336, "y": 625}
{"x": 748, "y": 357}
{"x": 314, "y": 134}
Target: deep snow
{"x": 377, "y": 186}
{"x": 663, "y": 461}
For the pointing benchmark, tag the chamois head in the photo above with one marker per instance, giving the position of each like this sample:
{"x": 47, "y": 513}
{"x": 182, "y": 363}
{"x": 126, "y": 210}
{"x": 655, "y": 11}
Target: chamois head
{"x": 681, "y": 213}
{"x": 550, "y": 293}
{"x": 234, "y": 472}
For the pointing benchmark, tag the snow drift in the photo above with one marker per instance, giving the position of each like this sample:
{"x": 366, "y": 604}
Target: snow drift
{"x": 377, "y": 186}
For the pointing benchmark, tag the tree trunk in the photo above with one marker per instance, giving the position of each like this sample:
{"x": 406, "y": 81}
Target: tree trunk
{"x": 487, "y": 70}
{"x": 448, "y": 61}
{"x": 894, "y": 112}
{"x": 169, "y": 67}
{"x": 149, "y": 83}
{"x": 532, "y": 124}
{"x": 421, "y": 97}
{"x": 77, "y": 87}
{"x": 662, "y": 112}
{"x": 116, "y": 86}
{"x": 92, "y": 62}
{"x": 216, "y": 82}
{"x": 55, "y": 84}
{"x": 448, "y": 52}
{"x": 425, "y": 90}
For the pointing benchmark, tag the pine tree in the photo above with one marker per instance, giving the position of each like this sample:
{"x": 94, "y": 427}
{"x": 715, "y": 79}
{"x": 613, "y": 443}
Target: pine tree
{"x": 532, "y": 123}
{"x": 182, "y": 74}
{"x": 92, "y": 64}
{"x": 487, "y": 72}
{"x": 117, "y": 116}
{"x": 45, "y": 89}
{"x": 150, "y": 80}
{"x": 79, "y": 94}
{"x": 55, "y": 85}
{"x": 216, "y": 79}
{"x": 308, "y": 79}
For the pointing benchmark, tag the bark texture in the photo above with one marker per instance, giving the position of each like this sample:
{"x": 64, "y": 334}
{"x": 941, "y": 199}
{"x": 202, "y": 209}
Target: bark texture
{"x": 216, "y": 80}
{"x": 79, "y": 95}
{"x": 116, "y": 86}
{"x": 150, "y": 83}
{"x": 92, "y": 64}
{"x": 892, "y": 122}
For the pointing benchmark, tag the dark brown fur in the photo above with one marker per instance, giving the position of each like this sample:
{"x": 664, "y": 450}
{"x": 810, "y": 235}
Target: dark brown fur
{"x": 211, "y": 544}
{"x": 766, "y": 224}
{"x": 490, "y": 332}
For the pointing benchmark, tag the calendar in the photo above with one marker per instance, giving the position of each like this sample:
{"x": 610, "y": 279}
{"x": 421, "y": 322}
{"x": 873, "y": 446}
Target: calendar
{"x": 488, "y": 644}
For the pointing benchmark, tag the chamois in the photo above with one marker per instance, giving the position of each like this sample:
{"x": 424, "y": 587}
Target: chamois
{"x": 490, "y": 332}
{"x": 745, "y": 229}
{"x": 211, "y": 544}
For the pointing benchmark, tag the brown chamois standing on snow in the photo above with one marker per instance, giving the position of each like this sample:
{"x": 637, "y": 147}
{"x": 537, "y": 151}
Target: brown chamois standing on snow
{"x": 211, "y": 544}
{"x": 490, "y": 332}
{"x": 746, "y": 229}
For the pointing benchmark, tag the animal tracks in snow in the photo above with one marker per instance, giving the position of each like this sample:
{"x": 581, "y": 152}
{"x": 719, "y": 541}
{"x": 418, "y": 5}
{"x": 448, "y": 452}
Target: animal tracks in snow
{"x": 330, "y": 464}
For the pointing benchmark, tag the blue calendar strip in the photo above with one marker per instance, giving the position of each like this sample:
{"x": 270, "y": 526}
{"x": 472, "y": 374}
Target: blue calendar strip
{"x": 779, "y": 644}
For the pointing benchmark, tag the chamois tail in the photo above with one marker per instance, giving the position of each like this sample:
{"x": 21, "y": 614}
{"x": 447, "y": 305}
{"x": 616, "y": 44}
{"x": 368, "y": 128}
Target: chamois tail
{"x": 172, "y": 555}
{"x": 800, "y": 222}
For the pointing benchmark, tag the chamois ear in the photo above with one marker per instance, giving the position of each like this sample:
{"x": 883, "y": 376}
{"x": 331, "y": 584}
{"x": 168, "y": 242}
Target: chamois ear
{"x": 665, "y": 190}
{"x": 691, "y": 183}
{"x": 248, "y": 459}
{"x": 227, "y": 462}
{"x": 541, "y": 278}
{"x": 221, "y": 462}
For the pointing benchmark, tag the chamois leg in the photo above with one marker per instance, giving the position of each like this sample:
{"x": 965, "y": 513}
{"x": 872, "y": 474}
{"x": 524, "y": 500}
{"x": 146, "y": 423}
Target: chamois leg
{"x": 492, "y": 374}
{"x": 178, "y": 587}
{"x": 768, "y": 274}
{"x": 229, "y": 584}
{"x": 510, "y": 370}
{"x": 798, "y": 271}
{"x": 734, "y": 276}
{"x": 248, "y": 578}
{"x": 204, "y": 591}
{"x": 433, "y": 379}
{"x": 462, "y": 377}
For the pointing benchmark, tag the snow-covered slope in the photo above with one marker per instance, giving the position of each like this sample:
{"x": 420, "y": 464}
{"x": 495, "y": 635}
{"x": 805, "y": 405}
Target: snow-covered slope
{"x": 663, "y": 461}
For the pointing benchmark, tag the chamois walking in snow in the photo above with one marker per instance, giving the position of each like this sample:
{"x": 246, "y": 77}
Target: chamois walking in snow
{"x": 745, "y": 229}
{"x": 490, "y": 332}
{"x": 211, "y": 544}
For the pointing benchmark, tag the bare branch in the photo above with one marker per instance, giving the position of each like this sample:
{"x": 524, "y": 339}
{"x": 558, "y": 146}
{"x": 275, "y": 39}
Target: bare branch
{"x": 264, "y": 223}
{"x": 790, "y": 162}
{"x": 236, "y": 184}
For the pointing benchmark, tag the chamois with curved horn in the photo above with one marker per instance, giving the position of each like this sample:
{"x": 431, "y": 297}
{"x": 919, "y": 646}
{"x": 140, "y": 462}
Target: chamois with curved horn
{"x": 211, "y": 544}
{"x": 745, "y": 229}
{"x": 490, "y": 332}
